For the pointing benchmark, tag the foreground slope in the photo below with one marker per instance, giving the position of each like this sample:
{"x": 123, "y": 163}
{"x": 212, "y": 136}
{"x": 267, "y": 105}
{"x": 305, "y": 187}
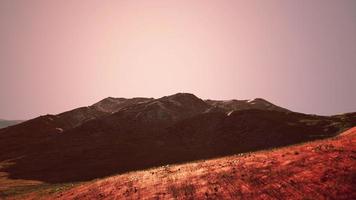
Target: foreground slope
{"x": 324, "y": 169}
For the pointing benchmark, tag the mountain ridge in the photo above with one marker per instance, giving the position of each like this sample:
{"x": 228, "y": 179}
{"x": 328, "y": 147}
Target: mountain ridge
{"x": 118, "y": 135}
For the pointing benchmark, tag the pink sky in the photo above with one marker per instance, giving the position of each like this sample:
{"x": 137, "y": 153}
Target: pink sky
{"x": 59, "y": 55}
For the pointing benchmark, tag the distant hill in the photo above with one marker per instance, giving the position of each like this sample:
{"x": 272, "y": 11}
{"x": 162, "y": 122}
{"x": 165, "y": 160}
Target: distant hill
{"x": 6, "y": 123}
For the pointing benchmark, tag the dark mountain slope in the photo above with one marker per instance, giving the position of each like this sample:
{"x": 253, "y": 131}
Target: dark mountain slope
{"x": 249, "y": 130}
{"x": 18, "y": 139}
{"x": 90, "y": 143}
{"x": 93, "y": 150}
{"x": 323, "y": 169}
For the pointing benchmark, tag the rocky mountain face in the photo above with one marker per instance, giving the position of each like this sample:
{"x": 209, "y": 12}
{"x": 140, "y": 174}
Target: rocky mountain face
{"x": 111, "y": 104}
{"x": 234, "y": 105}
{"x": 118, "y": 135}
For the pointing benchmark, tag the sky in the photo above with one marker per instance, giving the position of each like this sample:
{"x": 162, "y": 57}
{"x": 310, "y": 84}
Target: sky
{"x": 62, "y": 54}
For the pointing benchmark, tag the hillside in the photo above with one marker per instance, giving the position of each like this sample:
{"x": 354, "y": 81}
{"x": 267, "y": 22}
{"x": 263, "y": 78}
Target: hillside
{"x": 323, "y": 169}
{"x": 118, "y": 135}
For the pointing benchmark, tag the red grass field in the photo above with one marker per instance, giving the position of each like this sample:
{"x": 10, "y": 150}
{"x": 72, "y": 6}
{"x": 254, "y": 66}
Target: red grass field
{"x": 324, "y": 169}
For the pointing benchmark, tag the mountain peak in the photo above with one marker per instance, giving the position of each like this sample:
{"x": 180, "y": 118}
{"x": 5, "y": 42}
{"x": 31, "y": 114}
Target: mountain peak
{"x": 167, "y": 109}
{"x": 259, "y": 100}
{"x": 186, "y": 99}
{"x": 182, "y": 95}
{"x": 112, "y": 104}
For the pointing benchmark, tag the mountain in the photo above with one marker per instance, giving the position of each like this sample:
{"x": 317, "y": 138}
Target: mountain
{"x": 111, "y": 104}
{"x": 306, "y": 171}
{"x": 6, "y": 123}
{"x": 49, "y": 125}
{"x": 118, "y": 135}
{"x": 233, "y": 105}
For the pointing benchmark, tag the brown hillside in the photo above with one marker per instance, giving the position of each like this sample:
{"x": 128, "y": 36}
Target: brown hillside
{"x": 323, "y": 169}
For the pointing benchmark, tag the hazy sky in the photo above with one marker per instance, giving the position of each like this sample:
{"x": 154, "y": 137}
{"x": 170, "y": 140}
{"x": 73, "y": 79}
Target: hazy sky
{"x": 59, "y": 55}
